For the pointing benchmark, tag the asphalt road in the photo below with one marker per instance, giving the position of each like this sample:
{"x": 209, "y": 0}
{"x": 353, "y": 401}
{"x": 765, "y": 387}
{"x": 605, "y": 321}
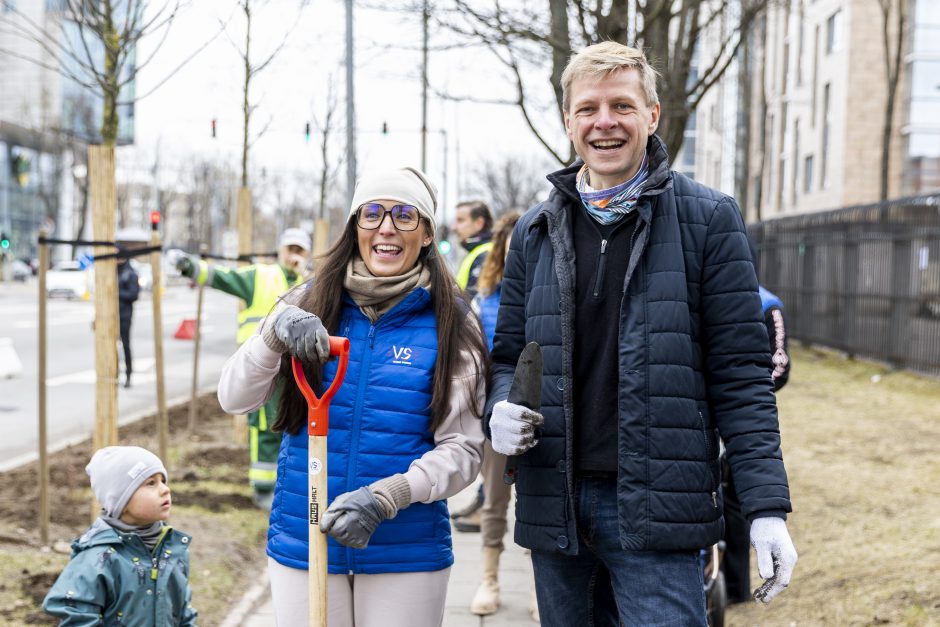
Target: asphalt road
{"x": 70, "y": 362}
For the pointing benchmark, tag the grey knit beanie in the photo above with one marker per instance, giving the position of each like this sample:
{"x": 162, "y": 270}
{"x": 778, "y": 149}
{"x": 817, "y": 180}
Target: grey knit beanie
{"x": 406, "y": 185}
{"x": 117, "y": 471}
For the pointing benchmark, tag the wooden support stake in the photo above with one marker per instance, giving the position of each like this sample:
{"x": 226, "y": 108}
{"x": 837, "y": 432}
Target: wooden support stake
{"x": 240, "y": 422}
{"x": 43, "y": 437}
{"x": 103, "y": 203}
{"x": 194, "y": 390}
{"x": 321, "y": 237}
{"x": 163, "y": 423}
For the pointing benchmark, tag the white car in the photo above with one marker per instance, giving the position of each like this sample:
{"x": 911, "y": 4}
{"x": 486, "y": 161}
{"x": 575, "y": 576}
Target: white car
{"x": 68, "y": 279}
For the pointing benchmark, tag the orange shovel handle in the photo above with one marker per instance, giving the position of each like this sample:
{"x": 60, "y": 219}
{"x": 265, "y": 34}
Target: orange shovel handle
{"x": 318, "y": 409}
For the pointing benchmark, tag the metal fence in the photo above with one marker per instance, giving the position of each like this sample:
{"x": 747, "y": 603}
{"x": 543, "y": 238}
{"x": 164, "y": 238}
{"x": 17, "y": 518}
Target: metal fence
{"x": 864, "y": 280}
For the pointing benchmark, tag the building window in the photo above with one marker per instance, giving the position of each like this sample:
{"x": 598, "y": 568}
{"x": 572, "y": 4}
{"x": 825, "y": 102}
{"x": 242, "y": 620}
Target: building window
{"x": 801, "y": 43}
{"x": 808, "y": 174}
{"x": 826, "y": 127}
{"x": 794, "y": 162}
{"x": 815, "y": 85}
{"x": 834, "y": 32}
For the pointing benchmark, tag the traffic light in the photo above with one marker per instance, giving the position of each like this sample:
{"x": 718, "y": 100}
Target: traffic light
{"x": 213, "y": 127}
{"x": 385, "y": 128}
{"x": 443, "y": 246}
{"x": 154, "y": 220}
{"x": 4, "y": 241}
{"x": 307, "y": 132}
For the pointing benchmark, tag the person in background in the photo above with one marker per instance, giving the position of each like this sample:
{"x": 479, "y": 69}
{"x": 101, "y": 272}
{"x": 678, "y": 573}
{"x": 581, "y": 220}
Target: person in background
{"x": 638, "y": 285}
{"x": 259, "y": 286}
{"x": 491, "y": 517}
{"x": 473, "y": 226}
{"x": 737, "y": 561}
{"x": 128, "y": 292}
{"x": 129, "y": 568}
{"x": 405, "y": 432}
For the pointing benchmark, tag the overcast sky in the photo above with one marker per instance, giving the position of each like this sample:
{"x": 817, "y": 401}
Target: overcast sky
{"x": 177, "y": 116}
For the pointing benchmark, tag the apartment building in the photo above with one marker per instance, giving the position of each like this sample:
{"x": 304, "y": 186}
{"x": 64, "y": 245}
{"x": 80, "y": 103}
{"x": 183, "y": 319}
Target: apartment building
{"x": 818, "y": 93}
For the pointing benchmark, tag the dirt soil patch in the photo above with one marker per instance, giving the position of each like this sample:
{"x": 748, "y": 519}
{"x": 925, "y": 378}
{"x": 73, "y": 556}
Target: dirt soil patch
{"x": 211, "y": 501}
{"x": 862, "y": 449}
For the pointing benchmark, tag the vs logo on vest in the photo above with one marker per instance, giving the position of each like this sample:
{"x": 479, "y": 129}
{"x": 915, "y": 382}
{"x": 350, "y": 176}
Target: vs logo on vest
{"x": 401, "y": 355}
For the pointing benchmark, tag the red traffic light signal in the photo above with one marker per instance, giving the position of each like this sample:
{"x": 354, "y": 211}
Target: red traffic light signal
{"x": 154, "y": 218}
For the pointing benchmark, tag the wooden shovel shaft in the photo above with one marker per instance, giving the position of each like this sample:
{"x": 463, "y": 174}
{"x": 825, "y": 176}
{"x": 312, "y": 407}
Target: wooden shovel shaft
{"x": 316, "y": 488}
{"x": 318, "y": 410}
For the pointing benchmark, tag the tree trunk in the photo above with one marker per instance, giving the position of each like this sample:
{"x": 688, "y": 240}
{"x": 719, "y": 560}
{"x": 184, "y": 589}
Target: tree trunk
{"x": 246, "y": 107}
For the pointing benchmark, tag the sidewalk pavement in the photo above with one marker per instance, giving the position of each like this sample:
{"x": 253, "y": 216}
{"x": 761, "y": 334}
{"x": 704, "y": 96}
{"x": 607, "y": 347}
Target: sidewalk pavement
{"x": 515, "y": 582}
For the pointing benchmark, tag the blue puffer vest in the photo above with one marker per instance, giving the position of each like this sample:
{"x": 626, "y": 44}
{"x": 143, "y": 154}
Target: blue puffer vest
{"x": 489, "y": 307}
{"x": 379, "y": 424}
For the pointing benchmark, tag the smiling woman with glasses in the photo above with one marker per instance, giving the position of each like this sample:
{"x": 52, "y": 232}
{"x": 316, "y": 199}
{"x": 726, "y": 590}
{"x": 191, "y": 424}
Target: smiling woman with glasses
{"x": 405, "y": 432}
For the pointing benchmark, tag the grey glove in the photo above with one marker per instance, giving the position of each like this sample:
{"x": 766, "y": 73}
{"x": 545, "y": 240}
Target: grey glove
{"x": 299, "y": 333}
{"x": 353, "y": 516}
{"x": 187, "y": 265}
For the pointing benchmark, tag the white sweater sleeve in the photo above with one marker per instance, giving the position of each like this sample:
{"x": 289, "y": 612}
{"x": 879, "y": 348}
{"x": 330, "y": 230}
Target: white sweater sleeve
{"x": 248, "y": 377}
{"x": 455, "y": 460}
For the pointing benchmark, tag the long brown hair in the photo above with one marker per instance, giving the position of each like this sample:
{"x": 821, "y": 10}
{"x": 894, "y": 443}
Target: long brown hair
{"x": 457, "y": 331}
{"x": 491, "y": 274}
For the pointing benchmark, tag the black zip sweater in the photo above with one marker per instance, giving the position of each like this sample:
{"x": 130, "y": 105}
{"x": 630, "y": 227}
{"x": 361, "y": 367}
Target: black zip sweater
{"x": 602, "y": 253}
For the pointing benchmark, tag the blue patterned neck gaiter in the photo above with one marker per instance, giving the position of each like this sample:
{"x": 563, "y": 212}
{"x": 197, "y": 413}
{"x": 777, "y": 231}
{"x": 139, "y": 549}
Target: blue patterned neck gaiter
{"x": 609, "y": 206}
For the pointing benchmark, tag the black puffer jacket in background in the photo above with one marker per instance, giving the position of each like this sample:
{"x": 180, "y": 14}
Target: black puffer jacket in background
{"x": 694, "y": 363}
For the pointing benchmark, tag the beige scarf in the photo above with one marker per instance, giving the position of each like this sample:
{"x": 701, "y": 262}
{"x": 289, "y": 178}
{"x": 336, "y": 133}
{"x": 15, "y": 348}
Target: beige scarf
{"x": 376, "y": 295}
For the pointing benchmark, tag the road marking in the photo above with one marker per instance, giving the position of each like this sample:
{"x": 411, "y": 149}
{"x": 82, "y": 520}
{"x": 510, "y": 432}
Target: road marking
{"x": 90, "y": 376}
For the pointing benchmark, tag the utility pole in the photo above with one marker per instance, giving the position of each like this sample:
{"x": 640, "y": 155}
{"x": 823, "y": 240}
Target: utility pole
{"x": 350, "y": 108}
{"x": 424, "y": 90}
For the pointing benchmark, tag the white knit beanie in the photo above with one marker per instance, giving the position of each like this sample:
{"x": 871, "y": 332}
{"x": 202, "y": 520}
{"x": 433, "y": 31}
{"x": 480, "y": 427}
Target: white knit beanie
{"x": 117, "y": 471}
{"x": 406, "y": 185}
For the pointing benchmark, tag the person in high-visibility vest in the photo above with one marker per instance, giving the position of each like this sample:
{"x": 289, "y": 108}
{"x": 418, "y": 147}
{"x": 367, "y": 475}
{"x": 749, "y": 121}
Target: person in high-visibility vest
{"x": 259, "y": 286}
{"x": 474, "y": 226}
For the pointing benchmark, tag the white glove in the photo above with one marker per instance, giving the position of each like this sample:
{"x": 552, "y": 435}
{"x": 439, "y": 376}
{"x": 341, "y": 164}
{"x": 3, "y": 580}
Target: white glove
{"x": 512, "y": 428}
{"x": 776, "y": 556}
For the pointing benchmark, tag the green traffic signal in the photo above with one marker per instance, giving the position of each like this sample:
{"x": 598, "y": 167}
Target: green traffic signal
{"x": 443, "y": 246}
{"x": 4, "y": 241}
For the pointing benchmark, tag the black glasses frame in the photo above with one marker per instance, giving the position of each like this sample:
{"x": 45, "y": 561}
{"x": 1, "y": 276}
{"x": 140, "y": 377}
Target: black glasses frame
{"x": 385, "y": 213}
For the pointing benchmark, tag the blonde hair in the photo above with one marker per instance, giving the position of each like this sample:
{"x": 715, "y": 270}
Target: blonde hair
{"x": 491, "y": 274}
{"x": 604, "y": 58}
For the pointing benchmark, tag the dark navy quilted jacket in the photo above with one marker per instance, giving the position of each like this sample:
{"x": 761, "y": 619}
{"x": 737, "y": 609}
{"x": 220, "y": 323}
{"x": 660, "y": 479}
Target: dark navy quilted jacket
{"x": 694, "y": 363}
{"x": 379, "y": 424}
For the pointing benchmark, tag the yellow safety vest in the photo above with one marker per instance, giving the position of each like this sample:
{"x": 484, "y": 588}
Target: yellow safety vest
{"x": 270, "y": 283}
{"x": 463, "y": 274}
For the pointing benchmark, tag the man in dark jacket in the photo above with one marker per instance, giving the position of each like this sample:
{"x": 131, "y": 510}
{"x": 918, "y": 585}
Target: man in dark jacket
{"x": 128, "y": 291}
{"x": 638, "y": 284}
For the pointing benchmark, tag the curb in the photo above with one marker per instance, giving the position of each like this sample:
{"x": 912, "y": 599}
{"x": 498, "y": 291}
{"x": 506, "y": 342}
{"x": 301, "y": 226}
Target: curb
{"x": 28, "y": 458}
{"x": 252, "y": 599}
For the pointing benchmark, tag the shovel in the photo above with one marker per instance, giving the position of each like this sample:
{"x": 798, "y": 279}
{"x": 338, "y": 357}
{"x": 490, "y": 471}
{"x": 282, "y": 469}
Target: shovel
{"x": 526, "y": 390}
{"x": 318, "y": 411}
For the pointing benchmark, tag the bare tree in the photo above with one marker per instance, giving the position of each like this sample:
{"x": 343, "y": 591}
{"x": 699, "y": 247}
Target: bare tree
{"x": 513, "y": 182}
{"x": 896, "y": 9}
{"x": 325, "y": 125}
{"x": 252, "y": 67}
{"x": 547, "y": 32}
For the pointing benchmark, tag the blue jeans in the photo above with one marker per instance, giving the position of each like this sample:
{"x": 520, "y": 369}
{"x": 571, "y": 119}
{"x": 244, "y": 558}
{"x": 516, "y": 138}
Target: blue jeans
{"x": 604, "y": 580}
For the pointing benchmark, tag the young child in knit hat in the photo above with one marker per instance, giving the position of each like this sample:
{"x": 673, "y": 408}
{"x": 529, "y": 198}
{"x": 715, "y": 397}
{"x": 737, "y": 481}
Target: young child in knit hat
{"x": 129, "y": 569}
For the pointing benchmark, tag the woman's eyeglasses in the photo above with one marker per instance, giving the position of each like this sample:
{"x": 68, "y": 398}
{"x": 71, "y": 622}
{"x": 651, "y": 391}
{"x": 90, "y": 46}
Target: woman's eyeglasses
{"x": 404, "y": 217}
